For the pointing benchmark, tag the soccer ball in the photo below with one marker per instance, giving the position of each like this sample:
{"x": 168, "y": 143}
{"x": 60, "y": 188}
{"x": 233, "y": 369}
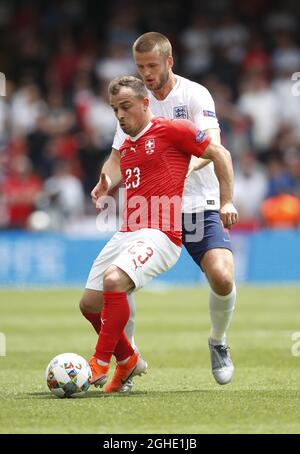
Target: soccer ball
{"x": 68, "y": 375}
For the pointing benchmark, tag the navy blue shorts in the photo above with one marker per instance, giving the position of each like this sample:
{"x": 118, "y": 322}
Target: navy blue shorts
{"x": 203, "y": 231}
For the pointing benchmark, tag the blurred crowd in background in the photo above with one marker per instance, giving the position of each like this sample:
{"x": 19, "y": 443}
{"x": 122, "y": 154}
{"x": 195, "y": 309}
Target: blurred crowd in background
{"x": 56, "y": 125}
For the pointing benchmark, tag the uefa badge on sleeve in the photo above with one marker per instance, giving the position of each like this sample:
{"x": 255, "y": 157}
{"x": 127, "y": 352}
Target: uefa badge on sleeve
{"x": 200, "y": 136}
{"x": 209, "y": 113}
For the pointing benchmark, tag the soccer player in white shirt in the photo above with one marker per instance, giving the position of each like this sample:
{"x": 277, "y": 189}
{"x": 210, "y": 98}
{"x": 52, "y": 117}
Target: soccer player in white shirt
{"x": 173, "y": 96}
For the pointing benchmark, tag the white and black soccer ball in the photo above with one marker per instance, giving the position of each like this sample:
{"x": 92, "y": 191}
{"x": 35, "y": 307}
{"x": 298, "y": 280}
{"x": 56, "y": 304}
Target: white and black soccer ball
{"x": 68, "y": 375}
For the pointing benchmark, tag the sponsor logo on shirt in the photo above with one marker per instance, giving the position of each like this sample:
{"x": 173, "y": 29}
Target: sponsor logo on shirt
{"x": 180, "y": 112}
{"x": 200, "y": 136}
{"x": 209, "y": 113}
{"x": 150, "y": 146}
{"x": 210, "y": 202}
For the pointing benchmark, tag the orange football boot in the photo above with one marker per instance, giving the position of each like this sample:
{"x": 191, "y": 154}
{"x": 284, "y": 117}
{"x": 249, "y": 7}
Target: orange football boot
{"x": 134, "y": 366}
{"x": 99, "y": 372}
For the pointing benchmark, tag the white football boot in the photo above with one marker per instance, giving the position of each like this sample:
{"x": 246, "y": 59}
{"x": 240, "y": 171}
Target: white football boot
{"x": 221, "y": 363}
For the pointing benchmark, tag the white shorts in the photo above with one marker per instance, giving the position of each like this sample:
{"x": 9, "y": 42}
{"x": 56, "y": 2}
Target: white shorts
{"x": 142, "y": 255}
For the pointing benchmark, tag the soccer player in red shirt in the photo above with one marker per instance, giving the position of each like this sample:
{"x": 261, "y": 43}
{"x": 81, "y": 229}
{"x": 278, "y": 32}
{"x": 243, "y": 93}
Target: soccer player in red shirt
{"x": 153, "y": 162}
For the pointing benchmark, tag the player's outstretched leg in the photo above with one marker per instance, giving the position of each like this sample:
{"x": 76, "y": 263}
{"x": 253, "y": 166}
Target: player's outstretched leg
{"x": 218, "y": 266}
{"x": 221, "y": 310}
{"x": 92, "y": 301}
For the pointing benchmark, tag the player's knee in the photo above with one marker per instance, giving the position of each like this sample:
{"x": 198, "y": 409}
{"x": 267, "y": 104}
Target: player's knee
{"x": 84, "y": 305}
{"x": 89, "y": 305}
{"x": 222, "y": 281}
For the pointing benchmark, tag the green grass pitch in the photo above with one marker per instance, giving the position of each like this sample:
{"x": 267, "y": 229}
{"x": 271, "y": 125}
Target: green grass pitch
{"x": 178, "y": 395}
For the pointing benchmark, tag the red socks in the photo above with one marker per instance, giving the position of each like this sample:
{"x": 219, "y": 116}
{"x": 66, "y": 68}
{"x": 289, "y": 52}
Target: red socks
{"x": 123, "y": 348}
{"x": 95, "y": 319}
{"x": 114, "y": 316}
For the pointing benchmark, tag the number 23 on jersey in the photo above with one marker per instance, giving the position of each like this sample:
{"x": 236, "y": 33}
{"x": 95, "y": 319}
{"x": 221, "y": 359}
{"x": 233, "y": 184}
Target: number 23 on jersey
{"x": 133, "y": 178}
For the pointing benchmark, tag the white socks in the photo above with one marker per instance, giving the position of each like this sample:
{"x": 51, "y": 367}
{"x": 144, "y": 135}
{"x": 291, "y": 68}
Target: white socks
{"x": 221, "y": 311}
{"x": 220, "y": 308}
{"x": 129, "y": 328}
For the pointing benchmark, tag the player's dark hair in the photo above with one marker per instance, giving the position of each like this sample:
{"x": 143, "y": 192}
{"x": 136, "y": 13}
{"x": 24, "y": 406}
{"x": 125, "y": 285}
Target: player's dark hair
{"x": 151, "y": 40}
{"x": 132, "y": 82}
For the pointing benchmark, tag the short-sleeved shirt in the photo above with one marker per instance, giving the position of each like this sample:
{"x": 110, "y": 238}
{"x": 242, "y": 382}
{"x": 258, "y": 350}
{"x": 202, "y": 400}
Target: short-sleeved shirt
{"x": 154, "y": 165}
{"x": 189, "y": 100}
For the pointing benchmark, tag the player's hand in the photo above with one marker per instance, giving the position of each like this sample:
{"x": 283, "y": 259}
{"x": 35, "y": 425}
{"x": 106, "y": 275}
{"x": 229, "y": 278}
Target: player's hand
{"x": 191, "y": 169}
{"x": 196, "y": 164}
{"x": 229, "y": 215}
{"x": 99, "y": 191}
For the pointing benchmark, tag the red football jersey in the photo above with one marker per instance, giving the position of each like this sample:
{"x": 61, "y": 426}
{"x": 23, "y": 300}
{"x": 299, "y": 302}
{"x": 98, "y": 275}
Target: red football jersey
{"x": 154, "y": 165}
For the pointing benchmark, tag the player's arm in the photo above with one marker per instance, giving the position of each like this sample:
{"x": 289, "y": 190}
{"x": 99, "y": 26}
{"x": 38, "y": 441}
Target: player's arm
{"x": 199, "y": 163}
{"x": 203, "y": 113}
{"x": 110, "y": 176}
{"x": 192, "y": 141}
{"x": 221, "y": 158}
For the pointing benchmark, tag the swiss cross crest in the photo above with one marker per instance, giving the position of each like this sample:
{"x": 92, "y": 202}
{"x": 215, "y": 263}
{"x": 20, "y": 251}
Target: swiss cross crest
{"x": 149, "y": 146}
{"x": 180, "y": 112}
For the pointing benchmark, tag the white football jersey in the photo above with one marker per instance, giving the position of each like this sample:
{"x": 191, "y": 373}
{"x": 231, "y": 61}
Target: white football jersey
{"x": 191, "y": 101}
